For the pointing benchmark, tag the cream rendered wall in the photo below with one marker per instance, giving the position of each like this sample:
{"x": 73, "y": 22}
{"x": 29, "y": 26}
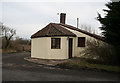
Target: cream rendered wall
{"x": 58, "y": 53}
{"x": 38, "y": 47}
{"x": 78, "y": 50}
{"x": 41, "y": 48}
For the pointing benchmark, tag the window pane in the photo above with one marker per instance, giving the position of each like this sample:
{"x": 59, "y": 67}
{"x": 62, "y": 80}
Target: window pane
{"x": 81, "y": 41}
{"x": 55, "y": 43}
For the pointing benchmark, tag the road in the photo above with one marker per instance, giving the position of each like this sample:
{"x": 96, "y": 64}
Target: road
{"x": 15, "y": 68}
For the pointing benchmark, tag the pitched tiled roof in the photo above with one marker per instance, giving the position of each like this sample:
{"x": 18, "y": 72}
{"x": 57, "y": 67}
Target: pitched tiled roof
{"x": 53, "y": 29}
{"x": 82, "y": 31}
{"x": 57, "y": 29}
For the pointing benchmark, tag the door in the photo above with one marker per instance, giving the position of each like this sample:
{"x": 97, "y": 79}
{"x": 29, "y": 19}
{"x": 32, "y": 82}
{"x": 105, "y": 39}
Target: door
{"x": 70, "y": 46}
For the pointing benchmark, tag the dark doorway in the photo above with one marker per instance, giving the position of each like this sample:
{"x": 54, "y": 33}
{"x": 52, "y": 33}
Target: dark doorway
{"x": 70, "y": 44}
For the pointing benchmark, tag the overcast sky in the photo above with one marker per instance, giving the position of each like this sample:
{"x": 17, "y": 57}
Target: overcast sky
{"x": 27, "y": 17}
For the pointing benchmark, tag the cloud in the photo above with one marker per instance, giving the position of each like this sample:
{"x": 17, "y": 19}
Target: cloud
{"x": 0, "y": 11}
{"x": 29, "y": 17}
{"x": 56, "y": 0}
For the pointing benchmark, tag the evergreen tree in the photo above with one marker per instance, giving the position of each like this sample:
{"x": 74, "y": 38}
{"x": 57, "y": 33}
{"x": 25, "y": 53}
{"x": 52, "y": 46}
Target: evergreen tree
{"x": 111, "y": 24}
{"x": 111, "y": 28}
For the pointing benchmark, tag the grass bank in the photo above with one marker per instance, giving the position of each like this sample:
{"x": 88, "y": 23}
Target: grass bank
{"x": 8, "y": 51}
{"x": 79, "y": 63}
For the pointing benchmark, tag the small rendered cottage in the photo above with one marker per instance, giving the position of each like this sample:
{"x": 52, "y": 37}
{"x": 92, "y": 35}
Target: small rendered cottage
{"x": 59, "y": 41}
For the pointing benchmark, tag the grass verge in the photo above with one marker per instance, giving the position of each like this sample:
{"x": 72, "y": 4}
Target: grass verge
{"x": 8, "y": 51}
{"x": 78, "y": 63}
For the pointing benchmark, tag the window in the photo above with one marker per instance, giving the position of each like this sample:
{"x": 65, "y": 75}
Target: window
{"x": 55, "y": 43}
{"x": 81, "y": 41}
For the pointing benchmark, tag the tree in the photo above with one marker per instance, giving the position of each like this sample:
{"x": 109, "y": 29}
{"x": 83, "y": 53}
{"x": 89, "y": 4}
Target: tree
{"x": 7, "y": 33}
{"x": 111, "y": 23}
{"x": 88, "y": 28}
{"x": 111, "y": 27}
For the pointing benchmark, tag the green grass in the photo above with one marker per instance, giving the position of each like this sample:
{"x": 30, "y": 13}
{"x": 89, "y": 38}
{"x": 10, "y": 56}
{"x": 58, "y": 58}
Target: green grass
{"x": 83, "y": 64}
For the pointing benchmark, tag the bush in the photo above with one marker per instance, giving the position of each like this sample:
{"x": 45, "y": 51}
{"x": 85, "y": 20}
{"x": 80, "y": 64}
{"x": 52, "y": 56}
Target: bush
{"x": 18, "y": 45}
{"x": 104, "y": 52}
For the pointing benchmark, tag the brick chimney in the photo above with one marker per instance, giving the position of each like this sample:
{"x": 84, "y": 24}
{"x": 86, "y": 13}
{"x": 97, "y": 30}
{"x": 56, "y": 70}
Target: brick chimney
{"x": 62, "y": 18}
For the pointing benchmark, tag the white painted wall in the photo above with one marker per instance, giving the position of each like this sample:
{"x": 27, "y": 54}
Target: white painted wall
{"x": 78, "y": 50}
{"x": 41, "y": 48}
{"x": 38, "y": 47}
{"x": 58, "y": 53}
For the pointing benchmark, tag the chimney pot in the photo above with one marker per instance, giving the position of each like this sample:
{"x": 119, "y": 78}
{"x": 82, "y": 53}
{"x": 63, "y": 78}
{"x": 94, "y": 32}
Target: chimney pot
{"x": 62, "y": 18}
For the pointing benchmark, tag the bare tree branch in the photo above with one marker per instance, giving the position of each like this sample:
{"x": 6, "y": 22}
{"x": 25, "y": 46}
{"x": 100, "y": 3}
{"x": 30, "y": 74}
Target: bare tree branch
{"x": 8, "y": 33}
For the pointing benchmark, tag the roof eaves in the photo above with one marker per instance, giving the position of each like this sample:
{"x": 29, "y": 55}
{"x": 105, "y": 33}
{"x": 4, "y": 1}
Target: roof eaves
{"x": 53, "y": 36}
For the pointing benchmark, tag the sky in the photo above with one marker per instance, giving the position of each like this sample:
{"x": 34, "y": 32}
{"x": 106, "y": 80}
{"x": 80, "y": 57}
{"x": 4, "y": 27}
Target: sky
{"x": 28, "y": 17}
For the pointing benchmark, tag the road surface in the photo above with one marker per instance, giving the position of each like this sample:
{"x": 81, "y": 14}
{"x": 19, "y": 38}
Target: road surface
{"x": 15, "y": 68}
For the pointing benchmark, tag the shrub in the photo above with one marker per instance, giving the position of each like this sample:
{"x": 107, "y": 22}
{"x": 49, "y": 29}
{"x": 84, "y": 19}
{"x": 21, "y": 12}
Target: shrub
{"x": 103, "y": 52}
{"x": 18, "y": 45}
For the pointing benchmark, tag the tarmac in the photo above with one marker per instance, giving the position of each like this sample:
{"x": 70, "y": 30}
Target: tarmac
{"x": 46, "y": 62}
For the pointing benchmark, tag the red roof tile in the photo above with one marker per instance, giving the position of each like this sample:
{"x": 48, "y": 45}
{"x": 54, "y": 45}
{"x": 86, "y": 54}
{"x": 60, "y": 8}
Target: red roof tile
{"x": 82, "y": 31}
{"x": 53, "y": 29}
{"x": 56, "y": 29}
